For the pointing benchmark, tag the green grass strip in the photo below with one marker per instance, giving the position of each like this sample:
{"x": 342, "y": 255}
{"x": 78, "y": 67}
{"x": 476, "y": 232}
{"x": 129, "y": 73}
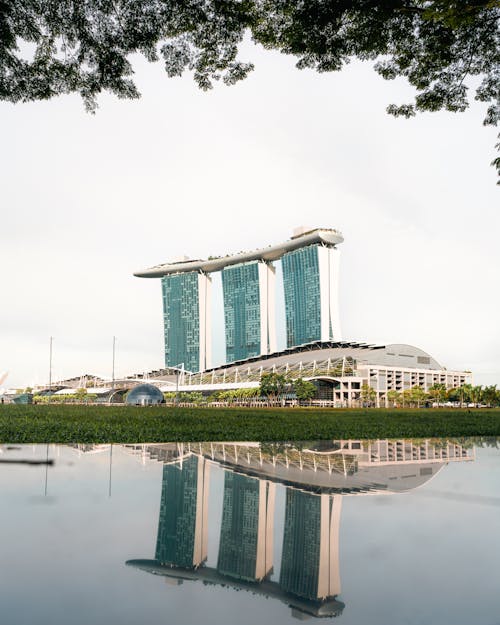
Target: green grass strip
{"x": 127, "y": 424}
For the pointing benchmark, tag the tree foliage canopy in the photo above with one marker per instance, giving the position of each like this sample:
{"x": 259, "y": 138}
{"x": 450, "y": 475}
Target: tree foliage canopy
{"x": 304, "y": 389}
{"x": 50, "y": 47}
{"x": 272, "y": 385}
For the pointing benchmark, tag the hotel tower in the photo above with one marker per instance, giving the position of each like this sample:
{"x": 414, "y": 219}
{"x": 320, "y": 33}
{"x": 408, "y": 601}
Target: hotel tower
{"x": 310, "y": 266}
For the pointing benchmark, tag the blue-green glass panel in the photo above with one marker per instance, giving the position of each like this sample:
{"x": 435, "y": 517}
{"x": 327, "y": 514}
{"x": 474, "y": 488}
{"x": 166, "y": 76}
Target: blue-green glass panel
{"x": 299, "y": 573}
{"x": 239, "y": 527}
{"x": 302, "y": 296}
{"x": 177, "y": 522}
{"x": 241, "y": 311}
{"x": 181, "y": 319}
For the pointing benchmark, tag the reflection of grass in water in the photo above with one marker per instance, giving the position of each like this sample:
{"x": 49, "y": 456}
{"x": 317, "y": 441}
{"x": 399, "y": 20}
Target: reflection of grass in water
{"x": 130, "y": 424}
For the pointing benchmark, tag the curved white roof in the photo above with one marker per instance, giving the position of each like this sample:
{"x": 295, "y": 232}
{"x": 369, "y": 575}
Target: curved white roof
{"x": 392, "y": 355}
{"x": 325, "y": 236}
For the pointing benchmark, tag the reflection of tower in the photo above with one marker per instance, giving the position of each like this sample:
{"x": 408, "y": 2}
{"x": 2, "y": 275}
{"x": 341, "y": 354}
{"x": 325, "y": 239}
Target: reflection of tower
{"x": 310, "y": 558}
{"x": 246, "y": 536}
{"x": 182, "y": 528}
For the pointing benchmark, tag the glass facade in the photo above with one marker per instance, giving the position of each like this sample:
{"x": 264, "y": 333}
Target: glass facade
{"x": 301, "y": 282}
{"x": 300, "y": 560}
{"x": 239, "y": 534}
{"x": 310, "y": 265}
{"x": 175, "y": 543}
{"x": 240, "y": 285}
{"x": 144, "y": 395}
{"x": 181, "y": 320}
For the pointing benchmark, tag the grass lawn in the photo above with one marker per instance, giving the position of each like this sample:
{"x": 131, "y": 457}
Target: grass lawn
{"x": 126, "y": 424}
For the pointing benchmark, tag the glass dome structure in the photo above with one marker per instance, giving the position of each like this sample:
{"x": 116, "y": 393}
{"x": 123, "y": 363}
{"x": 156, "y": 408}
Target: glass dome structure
{"x": 144, "y": 395}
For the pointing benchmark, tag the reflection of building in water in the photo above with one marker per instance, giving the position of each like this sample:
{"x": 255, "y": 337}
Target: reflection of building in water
{"x": 316, "y": 477}
{"x": 246, "y": 535}
{"x": 301, "y": 608}
{"x": 383, "y": 451}
{"x": 182, "y": 527}
{"x": 310, "y": 557}
{"x": 344, "y": 467}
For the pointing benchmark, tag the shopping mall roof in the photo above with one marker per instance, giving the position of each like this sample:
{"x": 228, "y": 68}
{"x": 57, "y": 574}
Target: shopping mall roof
{"x": 396, "y": 355}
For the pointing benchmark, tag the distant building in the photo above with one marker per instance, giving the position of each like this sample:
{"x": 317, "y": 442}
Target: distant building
{"x": 310, "y": 266}
{"x": 249, "y": 310}
{"x": 186, "y": 320}
{"x": 310, "y": 269}
{"x": 310, "y": 278}
{"x": 340, "y": 371}
{"x": 23, "y": 398}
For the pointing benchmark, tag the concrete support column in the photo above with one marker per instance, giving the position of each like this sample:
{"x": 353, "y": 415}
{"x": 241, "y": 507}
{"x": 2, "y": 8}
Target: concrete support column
{"x": 328, "y": 264}
{"x": 267, "y": 296}
{"x": 329, "y": 569}
{"x": 205, "y": 312}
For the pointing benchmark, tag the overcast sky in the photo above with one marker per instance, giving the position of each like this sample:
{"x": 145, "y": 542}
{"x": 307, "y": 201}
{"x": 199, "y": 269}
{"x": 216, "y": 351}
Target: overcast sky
{"x": 89, "y": 199}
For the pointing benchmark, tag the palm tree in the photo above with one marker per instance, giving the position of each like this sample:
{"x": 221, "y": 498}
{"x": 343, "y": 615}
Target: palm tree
{"x": 491, "y": 395}
{"x": 465, "y": 394}
{"x": 476, "y": 395}
{"x": 437, "y": 393}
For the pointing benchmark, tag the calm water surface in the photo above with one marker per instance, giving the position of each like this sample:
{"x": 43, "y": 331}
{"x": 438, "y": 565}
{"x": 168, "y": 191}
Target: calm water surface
{"x": 404, "y": 532}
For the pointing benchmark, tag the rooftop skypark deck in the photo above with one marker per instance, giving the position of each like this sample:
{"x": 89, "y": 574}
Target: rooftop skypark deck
{"x": 321, "y": 236}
